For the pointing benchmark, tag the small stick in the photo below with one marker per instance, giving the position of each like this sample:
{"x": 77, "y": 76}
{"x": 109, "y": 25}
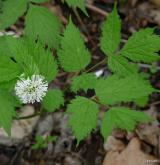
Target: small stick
{"x": 84, "y": 28}
{"x": 147, "y": 66}
{"x": 97, "y": 10}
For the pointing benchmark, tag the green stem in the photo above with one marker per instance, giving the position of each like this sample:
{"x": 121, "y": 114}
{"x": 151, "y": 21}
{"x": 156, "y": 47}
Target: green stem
{"x": 93, "y": 98}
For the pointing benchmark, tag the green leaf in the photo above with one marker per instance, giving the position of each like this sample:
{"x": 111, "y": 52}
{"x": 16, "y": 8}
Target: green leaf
{"x": 46, "y": 63}
{"x": 8, "y": 69}
{"x": 77, "y": 4}
{"x": 115, "y": 90}
{"x": 121, "y": 117}
{"x": 121, "y": 66}
{"x": 83, "y": 117}
{"x": 111, "y": 33}
{"x": 84, "y": 81}
{"x": 41, "y": 24}
{"x": 6, "y": 110}
{"x": 142, "y": 46}
{"x": 51, "y": 138}
{"x": 73, "y": 54}
{"x": 11, "y": 11}
{"x": 40, "y": 143}
{"x": 142, "y": 102}
{"x": 8, "y": 85}
{"x": 108, "y": 124}
{"x": 8, "y": 45}
{"x": 39, "y": 1}
{"x": 34, "y": 59}
{"x": 53, "y": 100}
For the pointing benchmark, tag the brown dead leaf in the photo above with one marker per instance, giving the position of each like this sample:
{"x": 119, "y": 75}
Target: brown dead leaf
{"x": 150, "y": 12}
{"x": 114, "y": 144}
{"x": 156, "y": 2}
{"x": 132, "y": 155}
{"x": 149, "y": 132}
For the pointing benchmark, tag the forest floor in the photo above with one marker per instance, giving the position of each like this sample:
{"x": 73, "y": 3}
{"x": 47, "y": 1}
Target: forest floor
{"x": 122, "y": 147}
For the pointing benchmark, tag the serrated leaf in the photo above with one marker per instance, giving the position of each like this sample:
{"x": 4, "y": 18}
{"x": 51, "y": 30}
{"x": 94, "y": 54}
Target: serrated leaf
{"x": 8, "y": 69}
{"x": 77, "y": 4}
{"x": 111, "y": 33}
{"x": 6, "y": 111}
{"x": 39, "y": 1}
{"x": 41, "y": 24}
{"x": 121, "y": 117}
{"x": 84, "y": 81}
{"x": 142, "y": 46}
{"x": 40, "y": 143}
{"x": 83, "y": 117}
{"x": 46, "y": 63}
{"x": 114, "y": 90}
{"x": 53, "y": 100}
{"x": 73, "y": 54}
{"x": 8, "y": 45}
{"x": 121, "y": 66}
{"x": 8, "y": 85}
{"x": 142, "y": 102}
{"x": 34, "y": 59}
{"x": 11, "y": 10}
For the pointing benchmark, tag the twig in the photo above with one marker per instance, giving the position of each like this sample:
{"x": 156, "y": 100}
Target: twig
{"x": 84, "y": 27}
{"x": 96, "y": 9}
{"x": 147, "y": 66}
{"x": 96, "y": 65}
{"x": 105, "y": 60}
{"x": 30, "y": 116}
{"x": 27, "y": 117}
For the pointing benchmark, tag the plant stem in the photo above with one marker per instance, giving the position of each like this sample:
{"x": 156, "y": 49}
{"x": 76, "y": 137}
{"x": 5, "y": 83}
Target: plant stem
{"x": 30, "y": 116}
{"x": 96, "y": 65}
{"x": 27, "y": 117}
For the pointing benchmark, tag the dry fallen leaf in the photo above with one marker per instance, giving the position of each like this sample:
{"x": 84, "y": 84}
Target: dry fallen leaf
{"x": 149, "y": 132}
{"x": 113, "y": 144}
{"x": 132, "y": 155}
{"x": 156, "y": 2}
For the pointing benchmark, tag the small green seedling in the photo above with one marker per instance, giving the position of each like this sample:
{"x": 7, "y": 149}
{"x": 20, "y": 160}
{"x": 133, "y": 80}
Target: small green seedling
{"x": 42, "y": 142}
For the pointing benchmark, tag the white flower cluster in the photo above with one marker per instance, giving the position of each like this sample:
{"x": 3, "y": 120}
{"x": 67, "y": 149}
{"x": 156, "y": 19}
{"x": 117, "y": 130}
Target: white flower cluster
{"x": 32, "y": 89}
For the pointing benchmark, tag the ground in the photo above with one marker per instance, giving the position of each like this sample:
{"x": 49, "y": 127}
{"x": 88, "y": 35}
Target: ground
{"x": 122, "y": 146}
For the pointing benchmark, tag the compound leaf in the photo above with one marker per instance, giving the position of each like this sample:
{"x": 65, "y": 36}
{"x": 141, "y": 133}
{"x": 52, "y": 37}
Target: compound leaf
{"x": 83, "y": 117}
{"x": 11, "y": 10}
{"x": 53, "y": 100}
{"x": 115, "y": 90}
{"x": 111, "y": 34}
{"x": 7, "y": 112}
{"x": 84, "y": 81}
{"x": 73, "y": 54}
{"x": 34, "y": 59}
{"x": 121, "y": 66}
{"x": 8, "y": 45}
{"x": 41, "y": 24}
{"x": 77, "y": 4}
{"x": 121, "y": 117}
{"x": 8, "y": 69}
{"x": 142, "y": 46}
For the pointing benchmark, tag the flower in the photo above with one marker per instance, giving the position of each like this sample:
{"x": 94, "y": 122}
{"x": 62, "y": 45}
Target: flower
{"x": 32, "y": 89}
